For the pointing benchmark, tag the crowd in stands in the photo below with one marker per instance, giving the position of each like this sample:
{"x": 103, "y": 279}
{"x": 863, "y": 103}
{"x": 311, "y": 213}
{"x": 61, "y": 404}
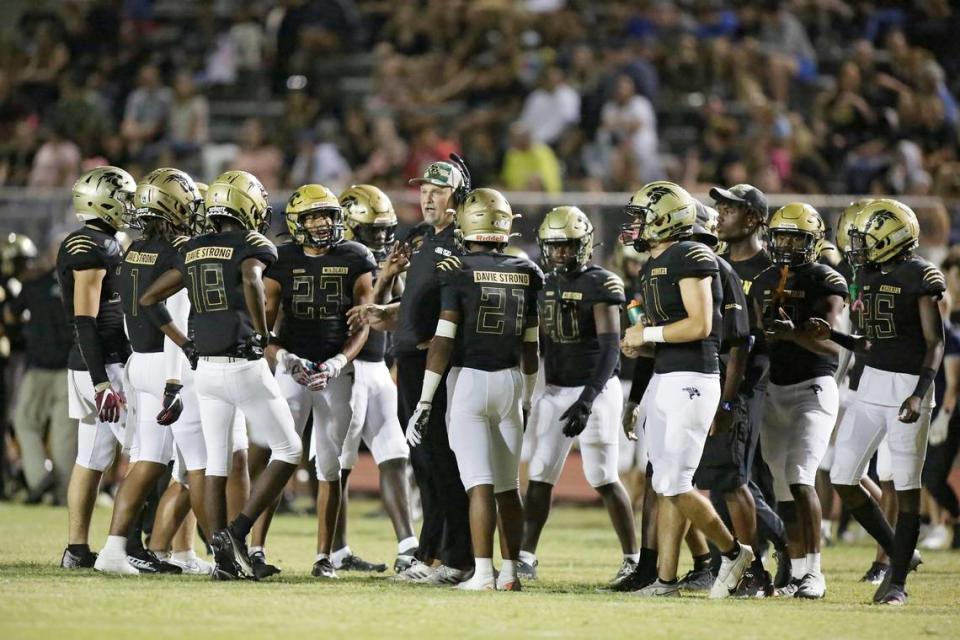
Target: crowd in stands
{"x": 810, "y": 96}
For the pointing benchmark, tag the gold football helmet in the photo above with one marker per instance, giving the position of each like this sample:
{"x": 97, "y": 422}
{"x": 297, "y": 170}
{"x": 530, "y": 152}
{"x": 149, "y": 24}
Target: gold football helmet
{"x": 484, "y": 216}
{"x": 169, "y": 195}
{"x": 846, "y": 220}
{"x": 884, "y": 229}
{"x": 105, "y": 193}
{"x": 661, "y": 211}
{"x": 239, "y": 196}
{"x": 705, "y": 228}
{"x": 565, "y": 238}
{"x": 795, "y": 230}
{"x": 314, "y": 200}
{"x": 369, "y": 218}
{"x": 16, "y": 251}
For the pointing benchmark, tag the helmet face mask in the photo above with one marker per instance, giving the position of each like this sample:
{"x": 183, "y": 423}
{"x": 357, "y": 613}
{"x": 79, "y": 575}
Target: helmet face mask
{"x": 379, "y": 238}
{"x": 661, "y": 211}
{"x": 369, "y": 218}
{"x": 319, "y": 228}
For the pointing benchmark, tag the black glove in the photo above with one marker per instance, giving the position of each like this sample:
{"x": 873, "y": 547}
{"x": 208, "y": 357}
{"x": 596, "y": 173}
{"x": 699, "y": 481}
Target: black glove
{"x": 193, "y": 356}
{"x": 172, "y": 404}
{"x": 525, "y": 412}
{"x": 575, "y": 418}
{"x": 252, "y": 348}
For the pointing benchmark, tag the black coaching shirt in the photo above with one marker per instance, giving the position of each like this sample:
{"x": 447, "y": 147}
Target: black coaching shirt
{"x": 570, "y": 349}
{"x": 890, "y": 314}
{"x": 663, "y": 304}
{"x": 494, "y": 295}
{"x": 211, "y": 268}
{"x": 758, "y": 364}
{"x": 93, "y": 248}
{"x": 804, "y": 292}
{"x": 47, "y": 335}
{"x": 144, "y": 262}
{"x": 315, "y": 294}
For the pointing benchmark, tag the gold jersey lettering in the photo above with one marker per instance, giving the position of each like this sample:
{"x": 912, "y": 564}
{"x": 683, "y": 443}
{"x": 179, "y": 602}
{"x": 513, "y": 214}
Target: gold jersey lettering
{"x": 141, "y": 257}
{"x": 336, "y": 270}
{"x": 215, "y": 253}
{"x": 502, "y": 277}
{"x": 659, "y": 271}
{"x": 886, "y": 288}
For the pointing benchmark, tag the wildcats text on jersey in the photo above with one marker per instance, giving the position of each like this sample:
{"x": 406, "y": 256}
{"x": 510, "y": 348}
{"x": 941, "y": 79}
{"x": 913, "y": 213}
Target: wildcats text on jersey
{"x": 216, "y": 253}
{"x": 498, "y": 277}
{"x": 335, "y": 270}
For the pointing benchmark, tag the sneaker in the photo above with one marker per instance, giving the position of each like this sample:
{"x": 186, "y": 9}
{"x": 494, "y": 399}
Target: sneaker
{"x": 508, "y": 584}
{"x": 446, "y": 576}
{"x": 354, "y": 563}
{"x": 633, "y": 582}
{"x": 812, "y": 587}
{"x": 894, "y": 595}
{"x": 416, "y": 572}
{"x": 474, "y": 583}
{"x": 790, "y": 589}
{"x": 783, "y": 576}
{"x": 261, "y": 568}
{"x": 626, "y": 570}
{"x": 937, "y": 538}
{"x": 876, "y": 573}
{"x": 145, "y": 561}
{"x": 731, "y": 571}
{"x": 527, "y": 571}
{"x": 696, "y": 580}
{"x": 404, "y": 559}
{"x": 231, "y": 554}
{"x": 323, "y": 568}
{"x": 755, "y": 584}
{"x": 83, "y": 560}
{"x": 658, "y": 589}
{"x": 115, "y": 563}
{"x": 192, "y": 566}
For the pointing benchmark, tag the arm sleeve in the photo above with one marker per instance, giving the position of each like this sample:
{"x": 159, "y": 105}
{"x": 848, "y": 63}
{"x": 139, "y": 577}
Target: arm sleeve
{"x": 642, "y": 374}
{"x": 88, "y": 340}
{"x": 606, "y": 365}
{"x": 179, "y": 307}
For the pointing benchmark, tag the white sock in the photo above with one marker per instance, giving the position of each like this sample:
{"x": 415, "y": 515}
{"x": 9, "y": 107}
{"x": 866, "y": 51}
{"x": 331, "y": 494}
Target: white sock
{"x": 483, "y": 568}
{"x": 632, "y": 557}
{"x": 162, "y": 555}
{"x": 508, "y": 570}
{"x": 407, "y": 544}
{"x": 253, "y": 550}
{"x": 184, "y": 556}
{"x": 116, "y": 544}
{"x": 813, "y": 563}
{"x": 798, "y": 568}
{"x": 338, "y": 556}
{"x": 531, "y": 558}
{"x": 321, "y": 556}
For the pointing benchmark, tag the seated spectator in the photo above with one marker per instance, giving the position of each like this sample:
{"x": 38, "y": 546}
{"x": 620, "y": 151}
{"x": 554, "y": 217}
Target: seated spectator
{"x": 529, "y": 165}
{"x": 16, "y": 161}
{"x": 790, "y": 54}
{"x": 189, "y": 119}
{"x": 319, "y": 160}
{"x": 387, "y": 158}
{"x": 628, "y": 132}
{"x": 146, "y": 111}
{"x": 47, "y": 56}
{"x": 57, "y": 163}
{"x": 551, "y": 109}
{"x": 261, "y": 158}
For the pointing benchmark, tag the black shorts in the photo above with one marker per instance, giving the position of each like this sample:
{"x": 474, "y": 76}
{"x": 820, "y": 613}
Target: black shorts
{"x": 727, "y": 459}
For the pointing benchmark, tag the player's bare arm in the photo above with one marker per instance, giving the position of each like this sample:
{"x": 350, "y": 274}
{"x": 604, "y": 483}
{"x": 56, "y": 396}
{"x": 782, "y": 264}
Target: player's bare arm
{"x": 271, "y": 289}
{"x": 363, "y": 293}
{"x": 375, "y": 316}
{"x": 254, "y": 294}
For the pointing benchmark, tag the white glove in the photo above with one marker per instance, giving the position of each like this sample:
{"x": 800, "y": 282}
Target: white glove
{"x": 939, "y": 428}
{"x": 417, "y": 426}
{"x": 333, "y": 366}
{"x": 298, "y": 368}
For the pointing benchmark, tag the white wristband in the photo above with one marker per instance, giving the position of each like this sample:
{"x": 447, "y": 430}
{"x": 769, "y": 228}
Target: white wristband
{"x": 431, "y": 380}
{"x": 653, "y": 334}
{"x": 531, "y": 334}
{"x": 446, "y": 329}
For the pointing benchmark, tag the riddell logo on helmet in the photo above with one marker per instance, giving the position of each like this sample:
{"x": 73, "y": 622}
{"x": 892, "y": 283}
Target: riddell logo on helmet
{"x": 488, "y": 237}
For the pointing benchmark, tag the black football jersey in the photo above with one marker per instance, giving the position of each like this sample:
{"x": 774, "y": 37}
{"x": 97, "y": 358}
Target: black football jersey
{"x": 315, "y": 294}
{"x": 92, "y": 248}
{"x": 566, "y": 302}
{"x": 144, "y": 262}
{"x": 494, "y": 294}
{"x": 375, "y": 348}
{"x": 804, "y": 291}
{"x": 211, "y": 267}
{"x": 758, "y": 364}
{"x": 663, "y": 304}
{"x": 735, "y": 311}
{"x": 889, "y": 313}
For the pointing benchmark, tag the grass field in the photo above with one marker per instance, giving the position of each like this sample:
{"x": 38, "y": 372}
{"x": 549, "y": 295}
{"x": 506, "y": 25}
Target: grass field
{"x": 578, "y": 553}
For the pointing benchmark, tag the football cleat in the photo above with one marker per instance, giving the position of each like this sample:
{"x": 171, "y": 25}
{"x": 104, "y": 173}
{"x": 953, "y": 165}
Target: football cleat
{"x": 145, "y": 561}
{"x": 261, "y": 568}
{"x": 731, "y": 571}
{"x": 474, "y": 583}
{"x": 231, "y": 553}
{"x": 633, "y": 582}
{"x": 445, "y": 576}
{"x": 508, "y": 584}
{"x": 354, "y": 563}
{"x": 658, "y": 589}
{"x": 697, "y": 580}
{"x": 755, "y": 585}
{"x": 626, "y": 570}
{"x": 527, "y": 571}
{"x": 789, "y": 590}
{"x": 783, "y": 576}
{"x": 116, "y": 564}
{"x": 226, "y": 572}
{"x": 404, "y": 559}
{"x": 323, "y": 568}
{"x": 84, "y": 560}
{"x": 192, "y": 566}
{"x": 894, "y": 595}
{"x": 884, "y": 587}
{"x": 876, "y": 573}
{"x": 416, "y": 572}
{"x": 813, "y": 586}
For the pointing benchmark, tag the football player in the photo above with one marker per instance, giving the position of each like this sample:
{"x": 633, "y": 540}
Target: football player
{"x": 222, "y": 271}
{"x": 682, "y": 297}
{"x": 580, "y": 309}
{"x": 899, "y": 293}
{"x": 370, "y": 219}
{"x": 491, "y": 300}
{"x": 316, "y": 279}
{"x": 167, "y": 202}
{"x": 802, "y": 399}
{"x": 86, "y": 270}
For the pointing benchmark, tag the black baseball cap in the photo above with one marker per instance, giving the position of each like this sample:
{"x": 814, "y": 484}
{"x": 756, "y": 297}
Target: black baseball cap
{"x": 742, "y": 194}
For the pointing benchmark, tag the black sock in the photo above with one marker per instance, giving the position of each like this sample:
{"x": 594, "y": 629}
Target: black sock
{"x": 733, "y": 553}
{"x": 956, "y": 536}
{"x": 904, "y": 543}
{"x": 701, "y": 562}
{"x": 662, "y": 581}
{"x": 647, "y": 565}
{"x": 241, "y": 526}
{"x": 78, "y": 549}
{"x": 756, "y": 567}
{"x": 871, "y": 518}
{"x": 135, "y": 534}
